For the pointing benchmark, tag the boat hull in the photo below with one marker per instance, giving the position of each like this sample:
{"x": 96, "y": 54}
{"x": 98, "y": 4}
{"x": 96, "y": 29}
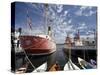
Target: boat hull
{"x": 37, "y": 45}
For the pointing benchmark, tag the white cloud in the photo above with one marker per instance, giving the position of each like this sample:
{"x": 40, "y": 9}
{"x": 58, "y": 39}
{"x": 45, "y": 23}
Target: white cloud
{"x": 89, "y": 36}
{"x": 61, "y": 26}
{"x": 35, "y": 30}
{"x": 59, "y": 8}
{"x": 78, "y": 13}
{"x": 65, "y": 23}
{"x": 82, "y": 26}
{"x": 69, "y": 28}
{"x": 65, "y": 13}
{"x": 70, "y": 21}
{"x": 85, "y": 11}
{"x": 89, "y": 32}
{"x": 83, "y": 7}
{"x": 89, "y": 13}
{"x": 38, "y": 7}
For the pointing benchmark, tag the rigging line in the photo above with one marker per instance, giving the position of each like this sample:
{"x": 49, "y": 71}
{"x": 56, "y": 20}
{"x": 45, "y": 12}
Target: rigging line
{"x": 34, "y": 13}
{"x": 38, "y": 7}
{"x": 43, "y": 15}
{"x": 37, "y": 13}
{"x": 29, "y": 59}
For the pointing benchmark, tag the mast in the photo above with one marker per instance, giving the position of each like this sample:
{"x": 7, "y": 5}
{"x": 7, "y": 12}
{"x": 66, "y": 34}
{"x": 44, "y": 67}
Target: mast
{"x": 95, "y": 34}
{"x": 46, "y": 14}
{"x": 47, "y": 26}
{"x": 78, "y": 35}
{"x": 29, "y": 22}
{"x": 68, "y": 43}
{"x": 69, "y": 48}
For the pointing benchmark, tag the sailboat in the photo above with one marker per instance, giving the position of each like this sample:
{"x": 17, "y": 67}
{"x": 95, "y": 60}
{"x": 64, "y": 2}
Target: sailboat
{"x": 70, "y": 65}
{"x": 38, "y": 44}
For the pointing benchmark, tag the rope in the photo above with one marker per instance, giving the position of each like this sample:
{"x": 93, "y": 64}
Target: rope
{"x": 28, "y": 59}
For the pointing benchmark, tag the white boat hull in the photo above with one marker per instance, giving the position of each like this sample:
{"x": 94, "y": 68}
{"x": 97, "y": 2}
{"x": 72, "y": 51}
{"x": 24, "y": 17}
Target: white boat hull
{"x": 41, "y": 68}
{"x": 70, "y": 66}
{"x": 84, "y": 64}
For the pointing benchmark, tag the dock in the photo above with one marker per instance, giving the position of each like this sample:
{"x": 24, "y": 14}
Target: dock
{"x": 81, "y": 48}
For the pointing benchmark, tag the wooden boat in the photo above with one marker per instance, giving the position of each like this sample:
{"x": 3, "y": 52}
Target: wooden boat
{"x": 85, "y": 65}
{"x": 70, "y": 66}
{"x": 41, "y": 68}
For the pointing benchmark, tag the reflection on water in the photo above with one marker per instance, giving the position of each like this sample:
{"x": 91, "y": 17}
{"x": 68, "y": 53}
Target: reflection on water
{"x": 59, "y": 56}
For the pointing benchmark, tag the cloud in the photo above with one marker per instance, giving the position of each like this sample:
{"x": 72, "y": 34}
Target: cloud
{"x": 59, "y": 8}
{"x": 70, "y": 21}
{"x": 51, "y": 12}
{"x": 85, "y": 11}
{"x": 82, "y": 26}
{"x": 90, "y": 32}
{"x": 69, "y": 28}
{"x": 62, "y": 25}
{"x": 62, "y": 20}
{"x": 88, "y": 36}
{"x": 32, "y": 32}
{"x": 90, "y": 13}
{"x": 37, "y": 7}
{"x": 65, "y": 13}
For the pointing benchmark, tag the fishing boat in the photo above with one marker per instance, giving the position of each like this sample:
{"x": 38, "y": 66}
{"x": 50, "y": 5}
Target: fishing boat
{"x": 41, "y": 68}
{"x": 38, "y": 44}
{"x": 85, "y": 65}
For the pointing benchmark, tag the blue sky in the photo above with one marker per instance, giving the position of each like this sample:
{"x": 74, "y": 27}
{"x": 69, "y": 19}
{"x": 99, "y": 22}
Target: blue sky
{"x": 62, "y": 18}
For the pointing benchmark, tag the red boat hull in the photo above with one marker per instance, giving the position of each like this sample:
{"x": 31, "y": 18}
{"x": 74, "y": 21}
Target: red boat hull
{"x": 37, "y": 44}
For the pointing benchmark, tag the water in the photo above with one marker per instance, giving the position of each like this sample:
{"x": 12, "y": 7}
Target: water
{"x": 59, "y": 57}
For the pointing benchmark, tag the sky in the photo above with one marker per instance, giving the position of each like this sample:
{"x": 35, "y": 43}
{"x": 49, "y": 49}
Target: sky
{"x": 63, "y": 19}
